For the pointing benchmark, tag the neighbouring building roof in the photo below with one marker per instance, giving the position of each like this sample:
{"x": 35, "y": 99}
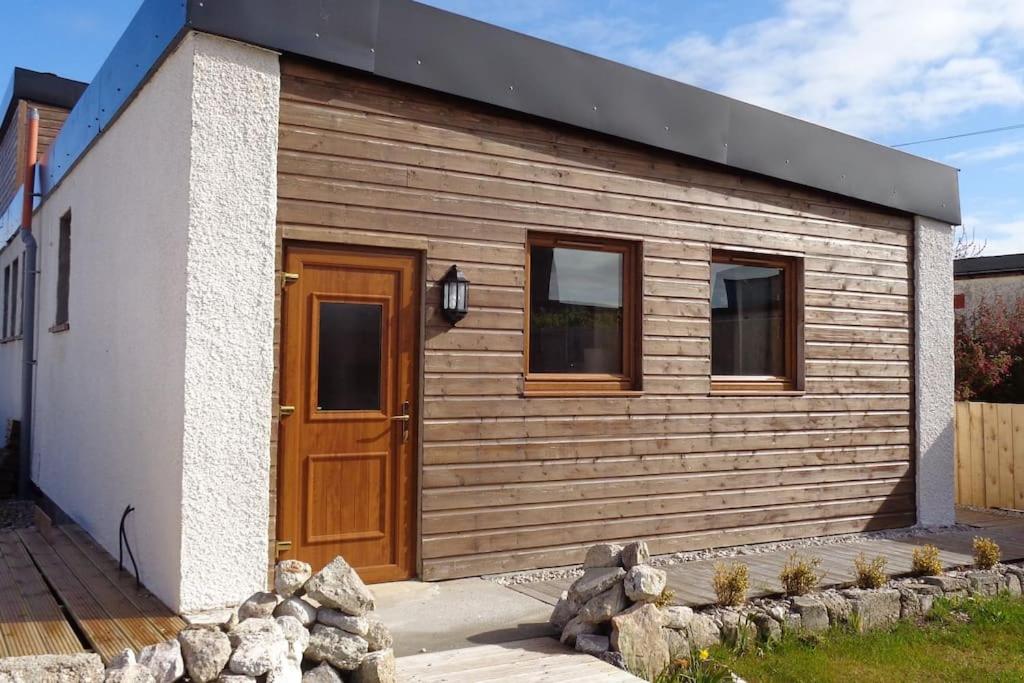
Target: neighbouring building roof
{"x": 419, "y": 45}
{"x": 1010, "y": 264}
{"x": 43, "y": 88}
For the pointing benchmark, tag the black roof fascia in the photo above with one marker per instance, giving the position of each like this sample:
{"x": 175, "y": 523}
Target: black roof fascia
{"x": 152, "y": 33}
{"x": 989, "y": 265}
{"x": 44, "y": 88}
{"x": 420, "y": 45}
{"x": 413, "y": 43}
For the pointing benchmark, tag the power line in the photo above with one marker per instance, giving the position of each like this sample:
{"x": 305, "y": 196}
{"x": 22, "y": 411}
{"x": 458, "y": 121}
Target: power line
{"x": 961, "y": 135}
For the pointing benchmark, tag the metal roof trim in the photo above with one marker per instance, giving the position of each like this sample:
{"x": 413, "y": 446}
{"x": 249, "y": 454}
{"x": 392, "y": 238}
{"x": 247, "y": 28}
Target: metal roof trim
{"x": 412, "y": 43}
{"x": 37, "y": 86}
{"x": 153, "y": 31}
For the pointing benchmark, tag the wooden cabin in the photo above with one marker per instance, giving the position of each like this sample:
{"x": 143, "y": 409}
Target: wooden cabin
{"x": 453, "y": 316}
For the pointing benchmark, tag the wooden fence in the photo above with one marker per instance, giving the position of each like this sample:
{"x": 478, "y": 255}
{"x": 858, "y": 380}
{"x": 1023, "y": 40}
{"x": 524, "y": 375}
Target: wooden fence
{"x": 990, "y": 455}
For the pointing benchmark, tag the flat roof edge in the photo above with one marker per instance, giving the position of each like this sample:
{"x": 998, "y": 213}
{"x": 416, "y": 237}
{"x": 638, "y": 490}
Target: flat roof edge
{"x": 153, "y": 31}
{"x": 421, "y": 45}
{"x": 41, "y": 87}
{"x": 412, "y": 43}
{"x": 1004, "y": 264}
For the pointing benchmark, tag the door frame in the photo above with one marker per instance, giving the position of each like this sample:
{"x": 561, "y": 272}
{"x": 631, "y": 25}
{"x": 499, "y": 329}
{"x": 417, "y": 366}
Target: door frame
{"x": 420, "y": 256}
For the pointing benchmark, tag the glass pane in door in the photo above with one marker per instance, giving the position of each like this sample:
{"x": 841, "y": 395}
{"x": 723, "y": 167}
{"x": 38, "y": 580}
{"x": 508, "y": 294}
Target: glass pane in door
{"x": 349, "y": 362}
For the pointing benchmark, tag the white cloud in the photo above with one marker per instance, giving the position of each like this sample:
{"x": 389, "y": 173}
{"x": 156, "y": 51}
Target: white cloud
{"x": 608, "y": 33}
{"x": 1000, "y": 150}
{"x": 869, "y": 67}
{"x": 999, "y": 237}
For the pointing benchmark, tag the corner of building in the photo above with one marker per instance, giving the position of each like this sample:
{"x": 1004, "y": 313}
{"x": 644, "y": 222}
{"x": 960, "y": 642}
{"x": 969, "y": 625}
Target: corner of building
{"x": 934, "y": 373}
{"x": 229, "y": 321}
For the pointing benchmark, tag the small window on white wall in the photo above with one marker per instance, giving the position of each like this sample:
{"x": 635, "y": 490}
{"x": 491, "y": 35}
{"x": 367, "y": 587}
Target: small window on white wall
{"x": 60, "y": 321}
{"x": 15, "y": 306}
{"x": 7, "y": 299}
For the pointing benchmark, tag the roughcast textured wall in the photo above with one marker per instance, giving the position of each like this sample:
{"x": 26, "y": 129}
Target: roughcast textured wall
{"x": 933, "y": 268}
{"x": 158, "y": 396}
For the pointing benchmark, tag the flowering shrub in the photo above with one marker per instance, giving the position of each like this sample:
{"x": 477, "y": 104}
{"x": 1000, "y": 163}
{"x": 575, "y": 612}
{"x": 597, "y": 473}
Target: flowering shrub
{"x": 731, "y": 582}
{"x": 989, "y": 351}
{"x": 986, "y": 553}
{"x": 800, "y": 574}
{"x": 870, "y": 574}
{"x": 666, "y": 598}
{"x": 925, "y": 561}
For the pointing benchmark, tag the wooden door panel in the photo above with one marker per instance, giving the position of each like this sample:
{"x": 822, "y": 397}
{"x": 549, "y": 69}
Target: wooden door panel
{"x": 332, "y": 514}
{"x": 347, "y": 459}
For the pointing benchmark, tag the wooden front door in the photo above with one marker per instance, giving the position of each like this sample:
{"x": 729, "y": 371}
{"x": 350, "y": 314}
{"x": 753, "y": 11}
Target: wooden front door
{"x": 347, "y": 463}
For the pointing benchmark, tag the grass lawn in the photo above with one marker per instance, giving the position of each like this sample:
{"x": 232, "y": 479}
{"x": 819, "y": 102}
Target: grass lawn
{"x": 967, "y": 640}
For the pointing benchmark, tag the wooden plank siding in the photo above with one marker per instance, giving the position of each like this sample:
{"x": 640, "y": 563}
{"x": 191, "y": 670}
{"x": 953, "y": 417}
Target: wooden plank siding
{"x": 11, "y": 156}
{"x": 510, "y": 482}
{"x": 12, "y": 145}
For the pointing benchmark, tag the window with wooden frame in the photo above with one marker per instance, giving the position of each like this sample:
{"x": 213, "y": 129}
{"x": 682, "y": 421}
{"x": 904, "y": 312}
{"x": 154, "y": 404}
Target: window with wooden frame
{"x": 15, "y": 280}
{"x": 756, "y": 322}
{"x": 582, "y": 315}
{"x": 7, "y": 301}
{"x": 60, "y": 322}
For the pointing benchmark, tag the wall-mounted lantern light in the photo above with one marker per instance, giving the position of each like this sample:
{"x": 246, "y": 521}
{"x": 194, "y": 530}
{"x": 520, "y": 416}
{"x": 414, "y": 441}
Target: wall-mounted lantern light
{"x": 454, "y": 295}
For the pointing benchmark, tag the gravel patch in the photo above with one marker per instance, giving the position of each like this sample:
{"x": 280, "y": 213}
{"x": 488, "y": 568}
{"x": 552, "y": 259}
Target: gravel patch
{"x": 571, "y": 572}
{"x": 16, "y": 514}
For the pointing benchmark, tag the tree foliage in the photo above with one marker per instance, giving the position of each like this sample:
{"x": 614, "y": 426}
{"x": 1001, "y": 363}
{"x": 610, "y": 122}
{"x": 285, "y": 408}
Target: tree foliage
{"x": 989, "y": 352}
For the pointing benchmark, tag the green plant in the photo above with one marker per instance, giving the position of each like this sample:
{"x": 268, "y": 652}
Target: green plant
{"x": 986, "y": 553}
{"x": 962, "y": 639}
{"x": 799, "y": 576}
{"x": 699, "y": 667}
{"x": 870, "y": 574}
{"x": 666, "y": 598}
{"x": 925, "y": 561}
{"x": 731, "y": 581}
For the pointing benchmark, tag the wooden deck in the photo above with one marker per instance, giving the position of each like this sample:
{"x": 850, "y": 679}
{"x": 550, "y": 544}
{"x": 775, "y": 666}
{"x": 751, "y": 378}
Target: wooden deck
{"x": 540, "y": 660}
{"x": 691, "y": 581}
{"x": 61, "y": 593}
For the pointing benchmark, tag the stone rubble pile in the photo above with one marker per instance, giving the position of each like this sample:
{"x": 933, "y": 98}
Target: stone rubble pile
{"x": 312, "y": 629}
{"x": 610, "y": 611}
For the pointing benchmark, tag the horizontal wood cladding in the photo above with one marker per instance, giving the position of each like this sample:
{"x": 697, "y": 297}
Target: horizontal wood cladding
{"x": 11, "y": 159}
{"x": 513, "y": 482}
{"x": 12, "y": 146}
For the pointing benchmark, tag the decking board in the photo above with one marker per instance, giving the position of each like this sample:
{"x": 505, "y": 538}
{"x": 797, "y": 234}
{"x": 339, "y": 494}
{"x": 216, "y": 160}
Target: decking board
{"x": 31, "y": 621}
{"x": 131, "y": 621}
{"x": 166, "y": 622}
{"x": 55, "y": 576}
{"x": 539, "y": 660}
{"x": 102, "y": 632}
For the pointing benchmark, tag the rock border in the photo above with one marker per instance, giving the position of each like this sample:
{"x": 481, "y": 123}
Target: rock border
{"x": 615, "y": 610}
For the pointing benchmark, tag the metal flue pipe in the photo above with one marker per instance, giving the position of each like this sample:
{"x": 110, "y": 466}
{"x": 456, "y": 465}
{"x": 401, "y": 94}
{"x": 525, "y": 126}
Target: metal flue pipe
{"x": 28, "y": 306}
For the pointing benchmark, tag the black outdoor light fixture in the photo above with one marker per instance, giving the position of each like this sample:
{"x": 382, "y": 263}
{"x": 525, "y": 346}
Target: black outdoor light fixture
{"x": 454, "y": 295}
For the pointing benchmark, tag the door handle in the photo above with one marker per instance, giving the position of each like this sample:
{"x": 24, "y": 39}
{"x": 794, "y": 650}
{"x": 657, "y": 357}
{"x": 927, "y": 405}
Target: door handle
{"x": 405, "y": 419}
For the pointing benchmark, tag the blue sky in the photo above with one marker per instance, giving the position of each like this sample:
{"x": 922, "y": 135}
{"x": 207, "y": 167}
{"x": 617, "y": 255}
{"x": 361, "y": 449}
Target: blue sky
{"x": 886, "y": 70}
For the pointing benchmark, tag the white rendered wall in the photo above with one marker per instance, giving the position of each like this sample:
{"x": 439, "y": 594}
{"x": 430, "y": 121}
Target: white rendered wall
{"x": 1009, "y": 288}
{"x": 109, "y": 401}
{"x": 158, "y": 395}
{"x": 229, "y": 315}
{"x": 933, "y": 333}
{"x": 10, "y": 351}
